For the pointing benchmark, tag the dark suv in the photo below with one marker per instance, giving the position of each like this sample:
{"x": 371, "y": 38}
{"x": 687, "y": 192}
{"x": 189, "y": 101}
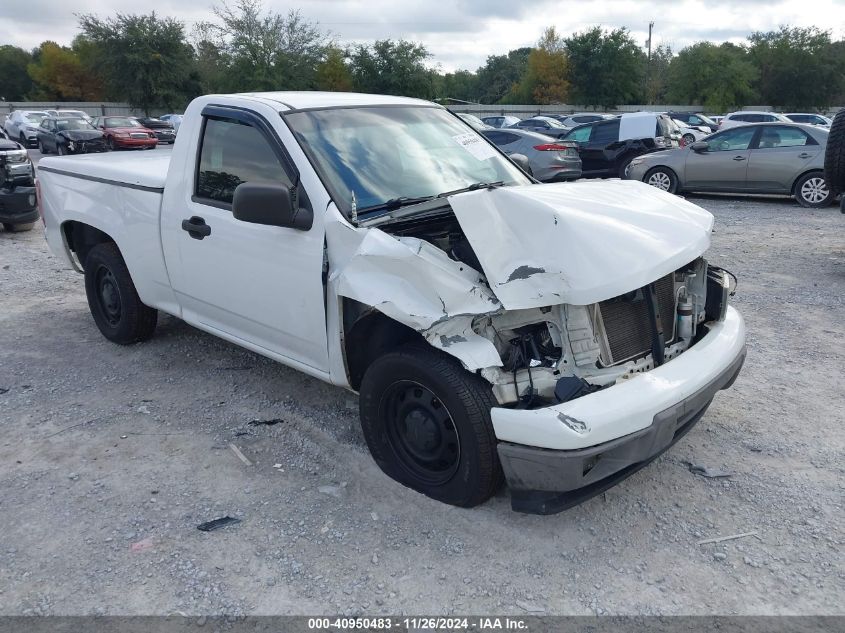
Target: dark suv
{"x": 607, "y": 147}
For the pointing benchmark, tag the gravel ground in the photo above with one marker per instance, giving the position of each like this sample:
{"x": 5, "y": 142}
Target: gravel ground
{"x": 111, "y": 456}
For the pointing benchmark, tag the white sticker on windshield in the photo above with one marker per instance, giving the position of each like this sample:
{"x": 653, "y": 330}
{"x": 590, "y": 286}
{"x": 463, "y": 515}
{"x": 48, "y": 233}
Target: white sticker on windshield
{"x": 475, "y": 146}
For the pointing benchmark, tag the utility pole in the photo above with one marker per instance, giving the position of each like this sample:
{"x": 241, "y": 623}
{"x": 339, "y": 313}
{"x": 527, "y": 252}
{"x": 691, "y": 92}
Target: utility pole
{"x": 648, "y": 66}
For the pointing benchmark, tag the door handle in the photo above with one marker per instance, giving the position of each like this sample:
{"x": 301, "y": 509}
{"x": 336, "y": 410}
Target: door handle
{"x": 803, "y": 155}
{"x": 739, "y": 157}
{"x": 196, "y": 227}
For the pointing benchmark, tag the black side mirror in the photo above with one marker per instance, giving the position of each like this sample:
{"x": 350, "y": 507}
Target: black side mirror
{"x": 700, "y": 146}
{"x": 522, "y": 162}
{"x": 268, "y": 204}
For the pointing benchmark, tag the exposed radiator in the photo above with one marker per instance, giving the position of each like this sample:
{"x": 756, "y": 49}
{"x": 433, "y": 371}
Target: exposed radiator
{"x": 625, "y": 322}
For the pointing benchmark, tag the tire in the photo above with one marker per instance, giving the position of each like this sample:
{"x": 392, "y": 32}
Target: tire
{"x": 18, "y": 228}
{"x": 23, "y": 141}
{"x": 834, "y": 155}
{"x": 452, "y": 457}
{"x": 60, "y": 149}
{"x": 43, "y": 148}
{"x": 662, "y": 178}
{"x": 811, "y": 191}
{"x": 110, "y": 143}
{"x": 689, "y": 139}
{"x": 623, "y": 168}
{"x": 112, "y": 298}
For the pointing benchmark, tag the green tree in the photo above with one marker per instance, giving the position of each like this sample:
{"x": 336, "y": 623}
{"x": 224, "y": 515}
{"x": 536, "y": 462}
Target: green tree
{"x": 657, "y": 75}
{"x": 461, "y": 84}
{"x": 606, "y": 69}
{"x": 719, "y": 77}
{"x": 145, "y": 59}
{"x": 393, "y": 68}
{"x": 263, "y": 51}
{"x": 500, "y": 74}
{"x": 797, "y": 67}
{"x": 333, "y": 73}
{"x": 546, "y": 76}
{"x": 61, "y": 74}
{"x": 17, "y": 85}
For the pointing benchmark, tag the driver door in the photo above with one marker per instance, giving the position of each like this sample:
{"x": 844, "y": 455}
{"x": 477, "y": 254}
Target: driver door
{"x": 724, "y": 165}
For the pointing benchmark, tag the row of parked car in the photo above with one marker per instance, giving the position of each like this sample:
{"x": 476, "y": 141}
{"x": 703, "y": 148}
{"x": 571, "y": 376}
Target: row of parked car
{"x": 741, "y": 152}
{"x": 75, "y": 132}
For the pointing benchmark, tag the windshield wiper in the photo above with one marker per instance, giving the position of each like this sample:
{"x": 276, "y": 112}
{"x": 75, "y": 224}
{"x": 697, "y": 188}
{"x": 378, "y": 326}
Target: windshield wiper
{"x": 395, "y": 203}
{"x": 473, "y": 187}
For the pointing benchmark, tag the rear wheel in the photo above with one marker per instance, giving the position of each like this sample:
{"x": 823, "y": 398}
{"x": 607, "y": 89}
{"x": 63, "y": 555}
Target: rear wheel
{"x": 114, "y": 302}
{"x": 427, "y": 424}
{"x": 811, "y": 191}
{"x": 18, "y": 228}
{"x": 662, "y": 178}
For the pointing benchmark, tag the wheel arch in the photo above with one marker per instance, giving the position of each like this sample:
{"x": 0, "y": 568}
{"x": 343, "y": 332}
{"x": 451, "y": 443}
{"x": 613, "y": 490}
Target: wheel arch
{"x": 81, "y": 238}
{"x": 819, "y": 170}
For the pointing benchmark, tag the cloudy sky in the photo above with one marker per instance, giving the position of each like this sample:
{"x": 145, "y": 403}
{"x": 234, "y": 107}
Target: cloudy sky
{"x": 460, "y": 33}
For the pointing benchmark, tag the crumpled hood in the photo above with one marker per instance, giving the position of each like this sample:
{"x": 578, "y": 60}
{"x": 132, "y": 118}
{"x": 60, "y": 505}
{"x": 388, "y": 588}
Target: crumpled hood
{"x": 578, "y": 243}
{"x": 82, "y": 135}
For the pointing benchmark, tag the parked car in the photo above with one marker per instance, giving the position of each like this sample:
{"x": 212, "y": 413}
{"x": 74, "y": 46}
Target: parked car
{"x": 607, "y": 147}
{"x": 174, "y": 119}
{"x": 695, "y": 120}
{"x": 716, "y": 118}
{"x": 69, "y": 135}
{"x": 834, "y": 158}
{"x": 164, "y": 130}
{"x": 741, "y": 118}
{"x": 809, "y": 118}
{"x": 500, "y": 121}
{"x": 579, "y": 118}
{"x": 124, "y": 132}
{"x": 765, "y": 158}
{"x": 494, "y": 328}
{"x": 690, "y": 134}
{"x": 22, "y": 125}
{"x": 473, "y": 121}
{"x": 549, "y": 160}
{"x": 18, "y": 211}
{"x": 77, "y": 114}
{"x": 543, "y": 125}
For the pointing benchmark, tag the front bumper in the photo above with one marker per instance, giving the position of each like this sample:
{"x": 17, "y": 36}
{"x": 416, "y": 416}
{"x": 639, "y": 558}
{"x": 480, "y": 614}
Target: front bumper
{"x": 134, "y": 142}
{"x": 637, "y": 171}
{"x": 17, "y": 206}
{"x": 559, "y": 456}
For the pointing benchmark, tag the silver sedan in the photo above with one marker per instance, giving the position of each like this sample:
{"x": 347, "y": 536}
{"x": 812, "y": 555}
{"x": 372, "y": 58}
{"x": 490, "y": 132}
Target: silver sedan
{"x": 767, "y": 158}
{"x": 550, "y": 160}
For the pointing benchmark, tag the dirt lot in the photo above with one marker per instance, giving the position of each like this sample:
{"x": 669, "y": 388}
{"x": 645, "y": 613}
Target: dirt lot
{"x": 110, "y": 457}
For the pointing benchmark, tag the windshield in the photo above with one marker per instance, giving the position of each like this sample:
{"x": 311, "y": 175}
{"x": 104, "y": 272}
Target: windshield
{"x": 373, "y": 155}
{"x": 699, "y": 119}
{"x": 123, "y": 121}
{"x": 73, "y": 124}
{"x": 553, "y": 122}
{"x": 34, "y": 117}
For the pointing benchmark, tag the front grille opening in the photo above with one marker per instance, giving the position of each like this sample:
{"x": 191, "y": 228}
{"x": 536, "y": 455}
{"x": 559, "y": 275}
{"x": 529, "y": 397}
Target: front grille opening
{"x": 625, "y": 323}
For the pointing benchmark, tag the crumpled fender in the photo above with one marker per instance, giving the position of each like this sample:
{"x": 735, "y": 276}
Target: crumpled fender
{"x": 416, "y": 284}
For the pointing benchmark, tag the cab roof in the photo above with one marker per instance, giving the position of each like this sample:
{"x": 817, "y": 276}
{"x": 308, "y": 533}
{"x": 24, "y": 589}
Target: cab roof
{"x": 306, "y": 99}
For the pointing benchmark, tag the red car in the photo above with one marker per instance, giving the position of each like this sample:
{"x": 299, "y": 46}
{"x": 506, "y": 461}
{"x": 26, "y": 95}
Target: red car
{"x": 125, "y": 132}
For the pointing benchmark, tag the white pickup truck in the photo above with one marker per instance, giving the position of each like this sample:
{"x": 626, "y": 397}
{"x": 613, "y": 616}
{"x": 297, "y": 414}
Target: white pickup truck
{"x": 558, "y": 336}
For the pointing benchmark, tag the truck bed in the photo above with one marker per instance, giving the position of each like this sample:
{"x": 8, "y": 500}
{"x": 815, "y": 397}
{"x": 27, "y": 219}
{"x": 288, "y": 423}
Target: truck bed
{"x": 144, "y": 169}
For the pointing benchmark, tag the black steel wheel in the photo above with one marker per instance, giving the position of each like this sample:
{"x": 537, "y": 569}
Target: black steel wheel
{"x": 427, "y": 424}
{"x": 112, "y": 298}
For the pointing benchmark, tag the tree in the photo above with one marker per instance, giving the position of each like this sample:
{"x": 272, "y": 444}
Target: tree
{"x": 657, "y": 75}
{"x": 61, "y": 74}
{"x": 719, "y": 77}
{"x": 392, "y": 68}
{"x": 264, "y": 51}
{"x": 17, "y": 84}
{"x": 500, "y": 74}
{"x": 144, "y": 59}
{"x": 545, "y": 80}
{"x": 333, "y": 73}
{"x": 461, "y": 84}
{"x": 606, "y": 69}
{"x": 797, "y": 67}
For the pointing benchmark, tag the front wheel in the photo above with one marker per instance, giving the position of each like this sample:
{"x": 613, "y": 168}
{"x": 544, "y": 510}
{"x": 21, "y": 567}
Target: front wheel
{"x": 811, "y": 191}
{"x": 662, "y": 178}
{"x": 427, "y": 424}
{"x": 112, "y": 298}
{"x": 689, "y": 139}
{"x": 110, "y": 143}
{"x": 60, "y": 149}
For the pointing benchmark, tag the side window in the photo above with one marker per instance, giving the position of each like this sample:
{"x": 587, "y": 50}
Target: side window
{"x": 497, "y": 138}
{"x": 746, "y": 118}
{"x": 604, "y": 133}
{"x": 580, "y": 134}
{"x": 233, "y": 153}
{"x": 543, "y": 124}
{"x": 772, "y": 137}
{"x": 508, "y": 138}
{"x": 733, "y": 140}
{"x": 45, "y": 124}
